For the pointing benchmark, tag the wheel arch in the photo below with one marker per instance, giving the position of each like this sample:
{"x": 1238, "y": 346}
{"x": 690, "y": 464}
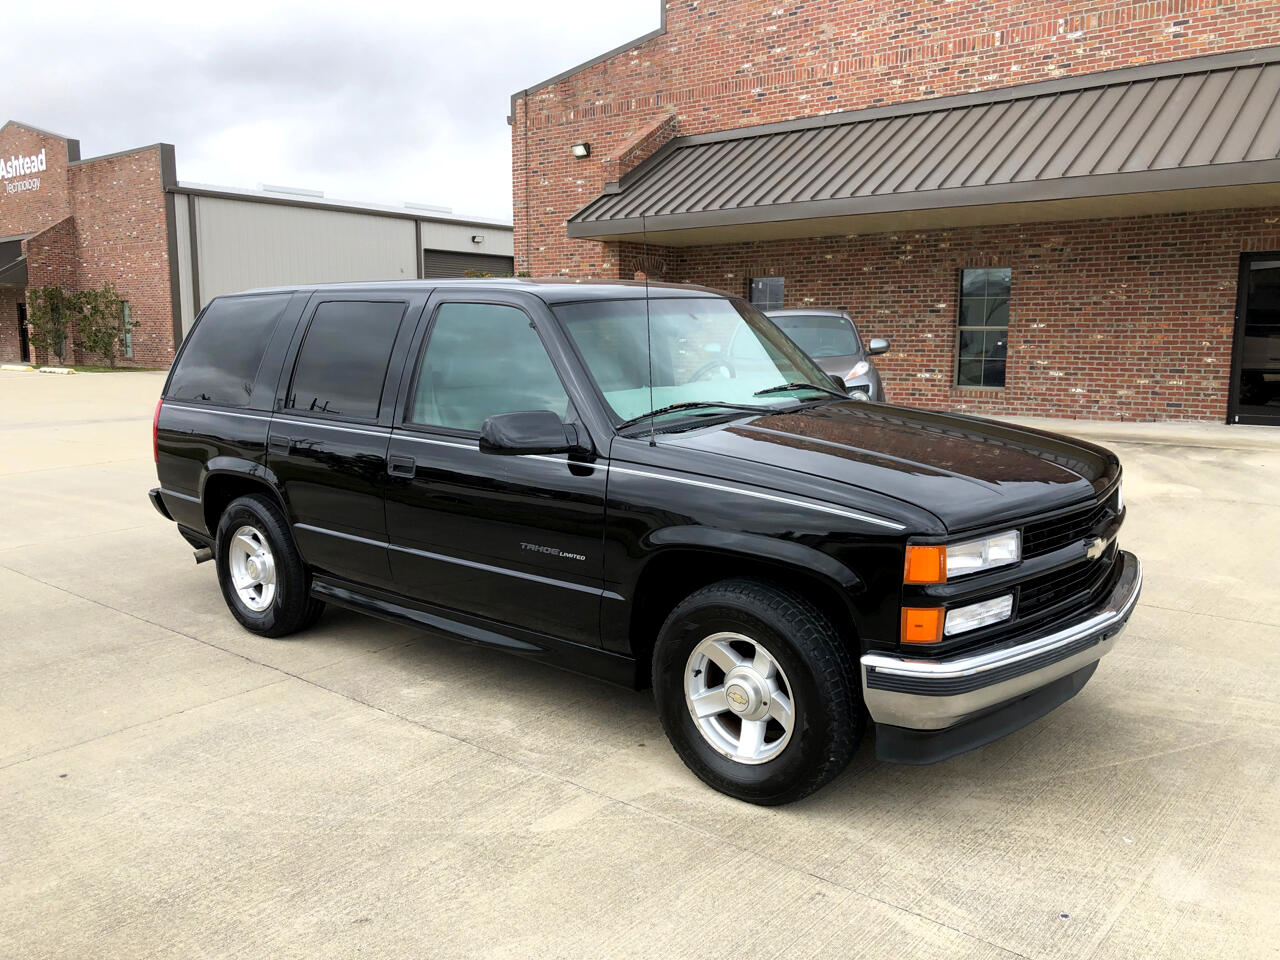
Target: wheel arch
{"x": 227, "y": 479}
{"x": 689, "y": 559}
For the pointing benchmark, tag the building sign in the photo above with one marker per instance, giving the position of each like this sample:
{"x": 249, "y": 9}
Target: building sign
{"x": 15, "y": 172}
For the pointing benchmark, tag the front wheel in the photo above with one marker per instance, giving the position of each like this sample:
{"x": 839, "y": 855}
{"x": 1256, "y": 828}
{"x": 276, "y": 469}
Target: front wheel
{"x": 263, "y": 578}
{"x": 756, "y": 691}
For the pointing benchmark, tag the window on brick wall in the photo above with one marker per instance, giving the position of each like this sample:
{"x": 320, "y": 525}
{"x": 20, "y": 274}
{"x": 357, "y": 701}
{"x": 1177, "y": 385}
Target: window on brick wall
{"x": 765, "y": 293}
{"x": 983, "y": 327}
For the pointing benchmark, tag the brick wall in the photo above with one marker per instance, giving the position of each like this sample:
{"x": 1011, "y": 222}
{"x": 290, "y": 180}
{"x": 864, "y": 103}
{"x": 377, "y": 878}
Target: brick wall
{"x": 731, "y": 63}
{"x": 642, "y": 145}
{"x": 1114, "y": 319}
{"x": 122, "y": 234}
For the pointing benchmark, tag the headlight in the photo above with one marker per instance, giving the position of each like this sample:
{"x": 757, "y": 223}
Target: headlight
{"x": 860, "y": 368}
{"x": 973, "y": 556}
{"x": 938, "y": 563}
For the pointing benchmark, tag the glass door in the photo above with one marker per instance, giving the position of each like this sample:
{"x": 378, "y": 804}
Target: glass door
{"x": 24, "y": 343}
{"x": 1255, "y": 384}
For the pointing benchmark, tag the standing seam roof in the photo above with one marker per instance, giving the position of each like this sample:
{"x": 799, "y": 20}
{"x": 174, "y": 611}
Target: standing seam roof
{"x": 1196, "y": 119}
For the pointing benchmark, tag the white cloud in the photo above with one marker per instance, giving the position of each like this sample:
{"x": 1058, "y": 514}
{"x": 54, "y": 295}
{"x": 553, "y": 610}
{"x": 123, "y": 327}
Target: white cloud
{"x": 386, "y": 103}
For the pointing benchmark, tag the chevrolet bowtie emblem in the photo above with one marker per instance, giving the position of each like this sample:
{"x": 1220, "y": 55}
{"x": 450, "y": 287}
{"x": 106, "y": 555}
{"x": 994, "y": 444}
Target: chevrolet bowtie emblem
{"x": 1095, "y": 547}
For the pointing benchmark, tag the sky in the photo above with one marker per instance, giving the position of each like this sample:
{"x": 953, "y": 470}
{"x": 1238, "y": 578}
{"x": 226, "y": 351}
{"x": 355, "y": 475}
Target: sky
{"x": 385, "y": 103}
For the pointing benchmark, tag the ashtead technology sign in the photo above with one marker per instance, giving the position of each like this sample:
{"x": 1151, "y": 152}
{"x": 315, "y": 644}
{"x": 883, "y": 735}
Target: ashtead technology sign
{"x": 16, "y": 172}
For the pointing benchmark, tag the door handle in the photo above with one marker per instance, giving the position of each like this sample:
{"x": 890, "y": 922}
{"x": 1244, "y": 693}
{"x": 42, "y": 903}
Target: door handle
{"x": 401, "y": 466}
{"x": 279, "y": 444}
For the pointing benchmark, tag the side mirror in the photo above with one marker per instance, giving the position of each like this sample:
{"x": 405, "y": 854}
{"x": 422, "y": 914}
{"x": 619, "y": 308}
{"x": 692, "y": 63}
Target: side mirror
{"x": 839, "y": 382}
{"x": 877, "y": 345}
{"x": 530, "y": 431}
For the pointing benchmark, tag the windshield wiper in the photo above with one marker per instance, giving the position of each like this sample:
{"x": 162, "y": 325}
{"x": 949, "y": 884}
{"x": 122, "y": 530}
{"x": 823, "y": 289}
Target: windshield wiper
{"x": 799, "y": 385}
{"x": 691, "y": 404}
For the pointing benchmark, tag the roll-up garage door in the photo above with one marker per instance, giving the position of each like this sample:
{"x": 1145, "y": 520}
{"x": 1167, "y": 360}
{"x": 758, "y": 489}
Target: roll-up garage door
{"x": 450, "y": 263}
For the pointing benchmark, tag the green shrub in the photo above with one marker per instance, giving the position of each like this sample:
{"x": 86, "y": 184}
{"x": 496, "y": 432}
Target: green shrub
{"x": 101, "y": 327}
{"x": 49, "y": 309}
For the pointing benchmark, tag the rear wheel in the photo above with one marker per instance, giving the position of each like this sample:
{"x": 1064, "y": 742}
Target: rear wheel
{"x": 756, "y": 691}
{"x": 263, "y": 579}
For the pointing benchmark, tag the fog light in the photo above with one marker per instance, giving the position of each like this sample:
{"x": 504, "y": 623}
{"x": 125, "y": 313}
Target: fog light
{"x": 975, "y": 615}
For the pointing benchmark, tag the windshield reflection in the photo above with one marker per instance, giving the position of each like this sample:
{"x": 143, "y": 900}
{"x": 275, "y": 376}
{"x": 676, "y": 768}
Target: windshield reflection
{"x": 708, "y": 351}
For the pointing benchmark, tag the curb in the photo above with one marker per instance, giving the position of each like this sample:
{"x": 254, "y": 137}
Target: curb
{"x": 17, "y": 367}
{"x": 65, "y": 370}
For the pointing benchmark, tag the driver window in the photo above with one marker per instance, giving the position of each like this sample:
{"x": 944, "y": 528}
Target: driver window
{"x": 483, "y": 359}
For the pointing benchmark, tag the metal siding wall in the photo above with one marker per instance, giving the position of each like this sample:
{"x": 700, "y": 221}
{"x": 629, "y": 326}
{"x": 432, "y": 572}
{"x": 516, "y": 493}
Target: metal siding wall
{"x": 457, "y": 236}
{"x": 183, "y": 227}
{"x": 242, "y": 244}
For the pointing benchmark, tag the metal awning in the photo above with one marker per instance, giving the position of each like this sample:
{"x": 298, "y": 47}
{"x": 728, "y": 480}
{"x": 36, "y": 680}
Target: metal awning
{"x": 1192, "y": 134}
{"x": 13, "y": 265}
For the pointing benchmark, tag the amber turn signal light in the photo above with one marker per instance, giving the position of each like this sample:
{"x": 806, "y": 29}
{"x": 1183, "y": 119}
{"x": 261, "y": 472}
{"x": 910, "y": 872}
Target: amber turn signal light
{"x": 922, "y": 624}
{"x": 926, "y": 563}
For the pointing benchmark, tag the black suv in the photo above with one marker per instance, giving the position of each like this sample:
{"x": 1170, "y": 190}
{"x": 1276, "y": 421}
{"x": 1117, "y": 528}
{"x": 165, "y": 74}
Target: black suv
{"x": 584, "y": 473}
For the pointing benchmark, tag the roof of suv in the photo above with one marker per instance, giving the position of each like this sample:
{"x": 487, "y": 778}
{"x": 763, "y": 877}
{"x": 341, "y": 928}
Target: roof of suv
{"x": 551, "y": 289}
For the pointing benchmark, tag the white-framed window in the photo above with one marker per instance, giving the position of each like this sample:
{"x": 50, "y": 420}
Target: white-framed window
{"x": 982, "y": 338}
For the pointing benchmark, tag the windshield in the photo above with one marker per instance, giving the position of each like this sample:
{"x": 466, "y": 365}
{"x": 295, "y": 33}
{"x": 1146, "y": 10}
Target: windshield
{"x": 705, "y": 351}
{"x": 821, "y": 336}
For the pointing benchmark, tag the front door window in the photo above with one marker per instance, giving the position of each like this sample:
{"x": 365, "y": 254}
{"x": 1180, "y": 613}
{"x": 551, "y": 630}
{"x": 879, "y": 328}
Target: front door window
{"x": 483, "y": 359}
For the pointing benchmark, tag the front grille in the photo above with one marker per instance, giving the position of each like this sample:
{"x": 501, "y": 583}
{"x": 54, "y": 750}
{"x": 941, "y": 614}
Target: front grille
{"x": 1079, "y": 584}
{"x": 1044, "y": 536}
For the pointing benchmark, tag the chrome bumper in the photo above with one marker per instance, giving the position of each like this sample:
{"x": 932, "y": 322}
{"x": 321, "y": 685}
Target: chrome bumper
{"x": 934, "y": 695}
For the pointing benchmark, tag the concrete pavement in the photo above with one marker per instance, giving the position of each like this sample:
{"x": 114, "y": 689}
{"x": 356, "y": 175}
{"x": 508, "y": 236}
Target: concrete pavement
{"x": 173, "y": 786}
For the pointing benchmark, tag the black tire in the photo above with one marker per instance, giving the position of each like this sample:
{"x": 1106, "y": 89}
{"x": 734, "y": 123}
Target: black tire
{"x": 825, "y": 692}
{"x": 292, "y": 607}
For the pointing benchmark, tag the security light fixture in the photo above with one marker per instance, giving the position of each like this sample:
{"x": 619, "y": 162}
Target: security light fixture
{"x": 477, "y": 238}
{"x": 581, "y": 150}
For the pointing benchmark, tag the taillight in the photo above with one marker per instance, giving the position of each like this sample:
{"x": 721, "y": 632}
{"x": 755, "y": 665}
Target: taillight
{"x": 155, "y": 431}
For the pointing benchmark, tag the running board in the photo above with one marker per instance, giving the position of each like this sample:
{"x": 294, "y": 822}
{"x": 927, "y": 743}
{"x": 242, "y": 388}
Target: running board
{"x": 574, "y": 657}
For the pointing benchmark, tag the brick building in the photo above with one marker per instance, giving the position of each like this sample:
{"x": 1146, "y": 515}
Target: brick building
{"x": 1049, "y": 209}
{"x": 169, "y": 247}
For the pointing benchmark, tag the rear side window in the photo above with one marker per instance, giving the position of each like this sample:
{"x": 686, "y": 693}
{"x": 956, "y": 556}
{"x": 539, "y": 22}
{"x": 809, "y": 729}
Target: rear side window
{"x": 221, "y": 359}
{"x": 343, "y": 361}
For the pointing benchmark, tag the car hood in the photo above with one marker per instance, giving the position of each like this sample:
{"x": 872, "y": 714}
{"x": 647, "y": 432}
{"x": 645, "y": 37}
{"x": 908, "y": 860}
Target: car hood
{"x": 966, "y": 471}
{"x": 839, "y": 366}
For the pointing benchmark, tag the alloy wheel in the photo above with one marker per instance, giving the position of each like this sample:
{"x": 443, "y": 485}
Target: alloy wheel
{"x": 252, "y": 567}
{"x": 739, "y": 698}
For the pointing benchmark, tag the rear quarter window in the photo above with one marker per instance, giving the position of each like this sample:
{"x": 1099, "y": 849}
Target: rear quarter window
{"x": 220, "y": 361}
{"x": 343, "y": 361}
